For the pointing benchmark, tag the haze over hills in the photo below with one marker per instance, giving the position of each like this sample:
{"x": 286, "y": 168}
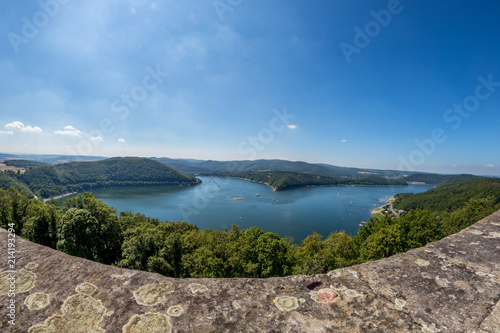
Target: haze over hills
{"x": 51, "y": 159}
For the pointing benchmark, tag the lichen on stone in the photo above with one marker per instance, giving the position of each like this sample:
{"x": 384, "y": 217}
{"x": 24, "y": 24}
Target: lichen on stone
{"x": 148, "y": 322}
{"x": 175, "y": 311}
{"x": 338, "y": 287}
{"x": 429, "y": 328}
{"x": 23, "y": 280}
{"x": 80, "y": 312}
{"x": 353, "y": 273}
{"x": 475, "y": 232}
{"x": 495, "y": 234}
{"x": 123, "y": 275}
{"x": 422, "y": 262}
{"x": 462, "y": 285}
{"x": 286, "y": 303}
{"x": 399, "y": 304}
{"x": 31, "y": 265}
{"x": 351, "y": 293}
{"x": 325, "y": 296}
{"x": 197, "y": 288}
{"x": 37, "y": 301}
{"x": 86, "y": 288}
{"x": 334, "y": 274}
{"x": 441, "y": 282}
{"x": 153, "y": 293}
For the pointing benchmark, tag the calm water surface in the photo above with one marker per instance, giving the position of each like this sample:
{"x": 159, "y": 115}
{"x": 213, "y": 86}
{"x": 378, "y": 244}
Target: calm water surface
{"x": 295, "y": 213}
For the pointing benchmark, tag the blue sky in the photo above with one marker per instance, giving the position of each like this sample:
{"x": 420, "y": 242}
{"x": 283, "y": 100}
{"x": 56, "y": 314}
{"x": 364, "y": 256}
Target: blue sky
{"x": 380, "y": 84}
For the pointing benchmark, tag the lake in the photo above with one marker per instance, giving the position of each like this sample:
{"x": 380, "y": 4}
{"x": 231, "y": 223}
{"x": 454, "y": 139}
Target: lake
{"x": 220, "y": 202}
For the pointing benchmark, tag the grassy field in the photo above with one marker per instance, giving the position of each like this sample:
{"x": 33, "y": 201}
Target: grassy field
{"x": 4, "y": 167}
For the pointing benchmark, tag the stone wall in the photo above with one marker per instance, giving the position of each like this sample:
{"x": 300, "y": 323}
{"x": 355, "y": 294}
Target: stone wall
{"x": 448, "y": 286}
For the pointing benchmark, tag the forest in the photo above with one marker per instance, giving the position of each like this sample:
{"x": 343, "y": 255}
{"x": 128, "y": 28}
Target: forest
{"x": 46, "y": 180}
{"x": 84, "y": 226}
{"x": 282, "y": 180}
{"x": 439, "y": 180}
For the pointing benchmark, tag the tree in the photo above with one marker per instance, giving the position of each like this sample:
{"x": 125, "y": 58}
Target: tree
{"x": 273, "y": 255}
{"x": 419, "y": 228}
{"x": 383, "y": 243}
{"x": 474, "y": 210}
{"x": 307, "y": 255}
{"x": 40, "y": 224}
{"x": 109, "y": 232}
{"x": 77, "y": 234}
{"x": 339, "y": 251}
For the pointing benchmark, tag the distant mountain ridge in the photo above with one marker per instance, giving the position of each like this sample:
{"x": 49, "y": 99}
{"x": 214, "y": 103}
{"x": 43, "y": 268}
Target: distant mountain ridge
{"x": 196, "y": 166}
{"x": 51, "y": 159}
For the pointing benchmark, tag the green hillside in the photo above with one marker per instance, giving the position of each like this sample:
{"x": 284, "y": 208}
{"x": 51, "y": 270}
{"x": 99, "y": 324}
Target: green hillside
{"x": 26, "y": 164}
{"x": 280, "y": 180}
{"x": 436, "y": 179}
{"x": 450, "y": 197}
{"x": 9, "y": 179}
{"x": 50, "y": 180}
{"x": 199, "y": 166}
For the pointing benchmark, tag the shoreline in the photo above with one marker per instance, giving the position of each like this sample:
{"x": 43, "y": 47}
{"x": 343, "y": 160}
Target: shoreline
{"x": 246, "y": 179}
{"x": 57, "y": 197}
{"x": 45, "y": 200}
{"x": 378, "y": 210}
{"x": 301, "y": 186}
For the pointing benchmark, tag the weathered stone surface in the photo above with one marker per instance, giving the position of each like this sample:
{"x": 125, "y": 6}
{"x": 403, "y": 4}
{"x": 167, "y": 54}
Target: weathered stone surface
{"x": 448, "y": 286}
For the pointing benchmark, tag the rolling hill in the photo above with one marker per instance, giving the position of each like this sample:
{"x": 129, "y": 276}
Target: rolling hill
{"x": 438, "y": 180}
{"x": 198, "y": 166}
{"x": 9, "y": 179}
{"x": 49, "y": 180}
{"x": 451, "y": 196}
{"x": 283, "y": 180}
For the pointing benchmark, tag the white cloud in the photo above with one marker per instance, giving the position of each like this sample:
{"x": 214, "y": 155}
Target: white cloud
{"x": 69, "y": 131}
{"x": 490, "y": 165}
{"x": 7, "y": 132}
{"x": 121, "y": 140}
{"x": 19, "y": 126}
{"x": 343, "y": 140}
{"x": 291, "y": 126}
{"x": 97, "y": 139}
